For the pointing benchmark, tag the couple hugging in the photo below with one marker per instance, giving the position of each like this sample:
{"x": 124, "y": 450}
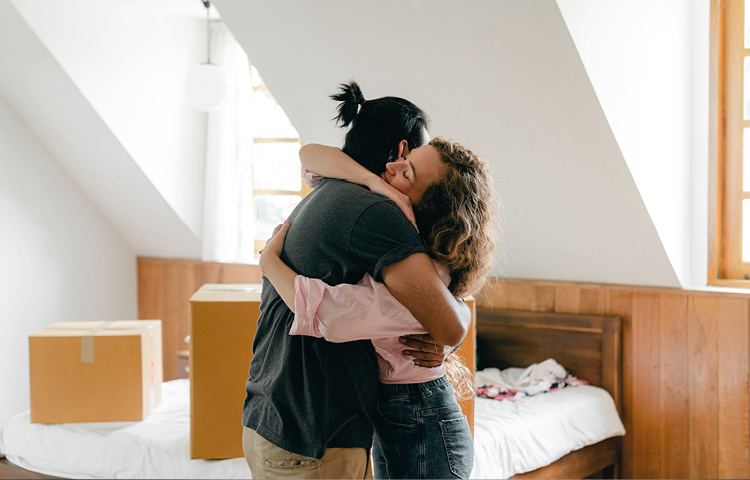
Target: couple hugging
{"x": 361, "y": 305}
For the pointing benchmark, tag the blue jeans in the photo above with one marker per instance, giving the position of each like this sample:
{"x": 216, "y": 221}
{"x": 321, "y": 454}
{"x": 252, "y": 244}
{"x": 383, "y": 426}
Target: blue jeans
{"x": 420, "y": 432}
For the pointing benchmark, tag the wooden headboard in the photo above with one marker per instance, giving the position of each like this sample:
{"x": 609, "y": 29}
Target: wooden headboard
{"x": 587, "y": 345}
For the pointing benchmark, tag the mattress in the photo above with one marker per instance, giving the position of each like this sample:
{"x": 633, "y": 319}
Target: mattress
{"x": 157, "y": 447}
{"x": 509, "y": 438}
{"x": 534, "y": 431}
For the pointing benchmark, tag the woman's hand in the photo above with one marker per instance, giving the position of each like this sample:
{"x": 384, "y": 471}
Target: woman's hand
{"x": 277, "y": 272}
{"x": 274, "y": 245}
{"x": 381, "y": 187}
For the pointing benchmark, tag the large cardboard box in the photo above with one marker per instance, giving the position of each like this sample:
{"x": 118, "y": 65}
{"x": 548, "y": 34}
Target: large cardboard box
{"x": 223, "y": 321}
{"x": 95, "y": 371}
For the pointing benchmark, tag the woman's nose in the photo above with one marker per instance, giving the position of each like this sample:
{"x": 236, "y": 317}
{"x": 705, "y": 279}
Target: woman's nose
{"x": 390, "y": 166}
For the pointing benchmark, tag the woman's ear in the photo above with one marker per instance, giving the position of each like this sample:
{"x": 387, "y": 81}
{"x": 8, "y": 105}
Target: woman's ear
{"x": 403, "y": 148}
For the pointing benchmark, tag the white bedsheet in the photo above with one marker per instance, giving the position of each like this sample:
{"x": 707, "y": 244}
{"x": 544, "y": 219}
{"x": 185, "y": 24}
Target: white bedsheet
{"x": 532, "y": 432}
{"x": 509, "y": 438}
{"x": 158, "y": 447}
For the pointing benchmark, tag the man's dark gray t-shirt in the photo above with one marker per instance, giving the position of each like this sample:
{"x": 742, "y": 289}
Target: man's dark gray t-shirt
{"x": 305, "y": 394}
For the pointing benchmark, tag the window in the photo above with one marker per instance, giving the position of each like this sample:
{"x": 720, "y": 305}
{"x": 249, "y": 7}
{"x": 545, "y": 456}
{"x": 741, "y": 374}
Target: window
{"x": 729, "y": 237}
{"x": 277, "y": 185}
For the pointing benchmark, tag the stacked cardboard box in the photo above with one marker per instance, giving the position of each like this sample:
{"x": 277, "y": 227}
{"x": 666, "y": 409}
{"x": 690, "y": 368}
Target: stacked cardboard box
{"x": 95, "y": 371}
{"x": 223, "y": 321}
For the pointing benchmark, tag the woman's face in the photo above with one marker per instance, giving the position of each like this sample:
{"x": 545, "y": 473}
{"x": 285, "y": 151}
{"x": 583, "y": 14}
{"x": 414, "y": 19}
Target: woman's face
{"x": 414, "y": 171}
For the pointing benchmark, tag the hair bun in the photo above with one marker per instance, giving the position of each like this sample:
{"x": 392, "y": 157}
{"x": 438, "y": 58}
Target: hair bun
{"x": 351, "y": 97}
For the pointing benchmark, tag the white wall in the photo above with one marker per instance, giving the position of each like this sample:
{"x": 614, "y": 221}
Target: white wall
{"x": 61, "y": 259}
{"x": 53, "y": 107}
{"x": 503, "y": 77}
{"x": 130, "y": 62}
{"x": 648, "y": 63}
{"x": 700, "y": 17}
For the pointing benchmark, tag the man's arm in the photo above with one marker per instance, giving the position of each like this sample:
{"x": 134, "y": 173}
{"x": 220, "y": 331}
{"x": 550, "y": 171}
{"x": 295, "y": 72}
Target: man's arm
{"x": 416, "y": 284}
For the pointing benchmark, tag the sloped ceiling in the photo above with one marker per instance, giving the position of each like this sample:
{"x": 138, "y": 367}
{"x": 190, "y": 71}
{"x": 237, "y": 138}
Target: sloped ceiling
{"x": 503, "y": 77}
{"x": 56, "y": 111}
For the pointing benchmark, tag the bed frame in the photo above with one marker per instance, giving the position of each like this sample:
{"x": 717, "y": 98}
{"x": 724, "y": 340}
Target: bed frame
{"x": 8, "y": 470}
{"x": 587, "y": 345}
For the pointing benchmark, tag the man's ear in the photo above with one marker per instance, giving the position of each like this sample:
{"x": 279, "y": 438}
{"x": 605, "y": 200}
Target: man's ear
{"x": 403, "y": 148}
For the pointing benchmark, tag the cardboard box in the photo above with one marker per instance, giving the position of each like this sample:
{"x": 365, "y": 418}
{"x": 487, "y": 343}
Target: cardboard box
{"x": 223, "y": 321}
{"x": 95, "y": 371}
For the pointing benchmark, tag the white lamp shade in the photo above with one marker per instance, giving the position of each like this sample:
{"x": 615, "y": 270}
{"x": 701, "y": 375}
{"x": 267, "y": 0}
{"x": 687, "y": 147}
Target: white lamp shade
{"x": 206, "y": 87}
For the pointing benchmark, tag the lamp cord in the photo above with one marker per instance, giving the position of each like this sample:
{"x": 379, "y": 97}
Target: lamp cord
{"x": 208, "y": 32}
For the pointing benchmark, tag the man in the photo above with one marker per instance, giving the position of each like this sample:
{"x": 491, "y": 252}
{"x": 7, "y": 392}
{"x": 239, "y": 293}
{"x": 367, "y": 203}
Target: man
{"x": 308, "y": 404}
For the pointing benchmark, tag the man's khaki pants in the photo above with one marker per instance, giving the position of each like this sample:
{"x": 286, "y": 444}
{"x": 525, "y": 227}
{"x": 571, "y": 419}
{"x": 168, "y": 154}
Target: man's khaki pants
{"x": 266, "y": 460}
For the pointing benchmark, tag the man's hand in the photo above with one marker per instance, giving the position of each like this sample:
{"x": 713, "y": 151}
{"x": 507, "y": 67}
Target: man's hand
{"x": 425, "y": 350}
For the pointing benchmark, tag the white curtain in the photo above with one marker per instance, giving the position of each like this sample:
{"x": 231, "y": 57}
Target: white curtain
{"x": 228, "y": 203}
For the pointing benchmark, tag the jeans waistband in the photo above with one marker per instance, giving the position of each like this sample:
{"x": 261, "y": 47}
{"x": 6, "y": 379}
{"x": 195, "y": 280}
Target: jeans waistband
{"x": 425, "y": 388}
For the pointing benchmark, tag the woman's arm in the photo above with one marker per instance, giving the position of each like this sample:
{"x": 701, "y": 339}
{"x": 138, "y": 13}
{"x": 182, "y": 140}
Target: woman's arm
{"x": 333, "y": 163}
{"x": 341, "y": 313}
{"x": 345, "y": 312}
{"x": 276, "y": 271}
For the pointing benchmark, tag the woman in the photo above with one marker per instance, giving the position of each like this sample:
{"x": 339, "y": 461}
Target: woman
{"x": 420, "y": 431}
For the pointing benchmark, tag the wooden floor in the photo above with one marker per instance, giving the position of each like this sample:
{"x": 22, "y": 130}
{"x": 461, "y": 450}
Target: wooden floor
{"x": 8, "y": 470}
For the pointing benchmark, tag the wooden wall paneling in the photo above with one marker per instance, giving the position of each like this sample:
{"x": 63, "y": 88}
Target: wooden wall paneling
{"x": 592, "y": 301}
{"x": 232, "y": 273}
{"x": 544, "y": 299}
{"x": 673, "y": 350}
{"x": 520, "y": 296}
{"x": 567, "y": 299}
{"x": 733, "y": 389}
{"x": 207, "y": 272}
{"x": 151, "y": 300}
{"x": 493, "y": 295}
{"x": 647, "y": 387}
{"x": 178, "y": 280}
{"x": 150, "y": 290}
{"x": 620, "y": 303}
{"x": 703, "y": 388}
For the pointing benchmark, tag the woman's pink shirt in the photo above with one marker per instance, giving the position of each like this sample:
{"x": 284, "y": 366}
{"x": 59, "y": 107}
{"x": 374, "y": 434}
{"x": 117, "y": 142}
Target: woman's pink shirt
{"x": 367, "y": 310}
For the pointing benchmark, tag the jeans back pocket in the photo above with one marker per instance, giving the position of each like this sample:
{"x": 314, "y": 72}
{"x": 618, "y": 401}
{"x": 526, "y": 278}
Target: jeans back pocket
{"x": 459, "y": 446}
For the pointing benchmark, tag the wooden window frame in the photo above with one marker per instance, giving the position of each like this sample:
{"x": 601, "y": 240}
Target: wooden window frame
{"x": 304, "y": 190}
{"x": 726, "y": 123}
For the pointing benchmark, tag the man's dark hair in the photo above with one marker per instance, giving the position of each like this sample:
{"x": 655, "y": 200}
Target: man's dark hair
{"x": 377, "y": 126}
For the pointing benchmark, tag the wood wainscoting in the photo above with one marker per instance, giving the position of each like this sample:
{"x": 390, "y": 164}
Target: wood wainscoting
{"x": 685, "y": 371}
{"x": 164, "y": 290}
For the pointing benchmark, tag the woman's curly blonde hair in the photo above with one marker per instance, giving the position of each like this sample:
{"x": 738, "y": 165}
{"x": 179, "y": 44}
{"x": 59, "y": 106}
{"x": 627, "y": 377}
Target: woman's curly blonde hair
{"x": 456, "y": 217}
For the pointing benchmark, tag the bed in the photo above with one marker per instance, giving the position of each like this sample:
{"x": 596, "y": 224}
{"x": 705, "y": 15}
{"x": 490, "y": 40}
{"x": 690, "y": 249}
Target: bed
{"x": 586, "y": 345}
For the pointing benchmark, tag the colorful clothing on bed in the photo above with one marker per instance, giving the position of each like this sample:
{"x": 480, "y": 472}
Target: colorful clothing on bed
{"x": 367, "y": 310}
{"x": 515, "y": 383}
